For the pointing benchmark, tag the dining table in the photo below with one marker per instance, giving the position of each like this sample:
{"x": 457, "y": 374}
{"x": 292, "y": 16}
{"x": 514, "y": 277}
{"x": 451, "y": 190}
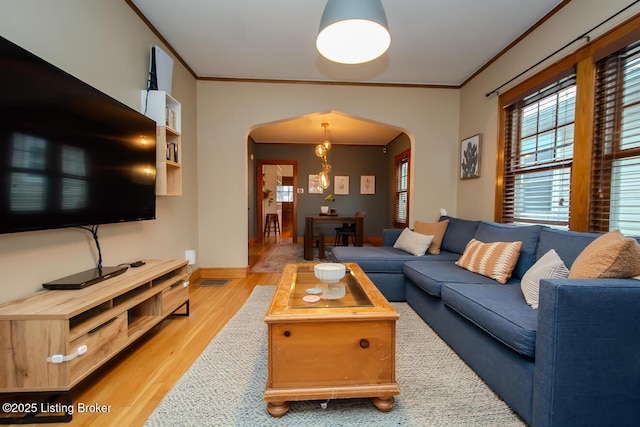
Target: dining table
{"x": 311, "y": 220}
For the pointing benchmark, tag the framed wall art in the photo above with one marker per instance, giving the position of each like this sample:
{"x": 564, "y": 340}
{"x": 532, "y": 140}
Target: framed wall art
{"x": 315, "y": 186}
{"x": 470, "y": 157}
{"x": 367, "y": 184}
{"x": 341, "y": 185}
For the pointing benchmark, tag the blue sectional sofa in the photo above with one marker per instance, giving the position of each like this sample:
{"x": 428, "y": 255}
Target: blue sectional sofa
{"x": 574, "y": 361}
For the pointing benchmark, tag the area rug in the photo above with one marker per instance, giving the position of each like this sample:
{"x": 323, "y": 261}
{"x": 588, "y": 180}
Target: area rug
{"x": 286, "y": 253}
{"x": 224, "y": 386}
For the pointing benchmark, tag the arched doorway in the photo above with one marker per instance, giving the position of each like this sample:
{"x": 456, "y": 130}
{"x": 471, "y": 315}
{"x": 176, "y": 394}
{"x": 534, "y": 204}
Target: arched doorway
{"x": 361, "y": 147}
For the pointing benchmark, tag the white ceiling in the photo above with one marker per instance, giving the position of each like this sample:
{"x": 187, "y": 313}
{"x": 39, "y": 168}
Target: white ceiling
{"x": 433, "y": 42}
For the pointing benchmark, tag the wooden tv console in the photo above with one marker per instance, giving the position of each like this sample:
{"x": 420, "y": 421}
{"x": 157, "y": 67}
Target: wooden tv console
{"x": 52, "y": 340}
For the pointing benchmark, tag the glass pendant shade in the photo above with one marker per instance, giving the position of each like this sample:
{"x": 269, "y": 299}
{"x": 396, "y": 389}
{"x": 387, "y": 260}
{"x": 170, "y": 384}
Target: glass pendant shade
{"x": 353, "y": 31}
{"x": 324, "y": 179}
{"x": 320, "y": 151}
{"x": 327, "y": 145}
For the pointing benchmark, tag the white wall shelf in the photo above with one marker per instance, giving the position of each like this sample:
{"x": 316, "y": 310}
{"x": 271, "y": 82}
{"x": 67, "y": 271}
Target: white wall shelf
{"x": 167, "y": 113}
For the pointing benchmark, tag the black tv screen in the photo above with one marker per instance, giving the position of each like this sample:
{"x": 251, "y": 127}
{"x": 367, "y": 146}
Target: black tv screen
{"x": 69, "y": 154}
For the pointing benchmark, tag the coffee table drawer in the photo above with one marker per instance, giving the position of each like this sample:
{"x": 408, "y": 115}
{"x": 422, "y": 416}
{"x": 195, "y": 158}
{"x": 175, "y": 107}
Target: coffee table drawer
{"x": 331, "y": 353}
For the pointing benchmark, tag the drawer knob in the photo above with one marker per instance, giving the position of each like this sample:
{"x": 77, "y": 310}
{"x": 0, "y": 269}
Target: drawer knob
{"x": 364, "y": 343}
{"x": 287, "y": 334}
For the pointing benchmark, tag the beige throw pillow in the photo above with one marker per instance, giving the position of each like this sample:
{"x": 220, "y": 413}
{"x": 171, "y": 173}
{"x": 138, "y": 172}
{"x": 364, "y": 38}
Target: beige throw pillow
{"x": 549, "y": 266}
{"x": 495, "y": 260}
{"x": 414, "y": 243}
{"x": 611, "y": 255}
{"x": 436, "y": 230}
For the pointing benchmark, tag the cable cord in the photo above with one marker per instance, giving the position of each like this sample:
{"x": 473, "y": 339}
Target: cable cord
{"x": 94, "y": 233}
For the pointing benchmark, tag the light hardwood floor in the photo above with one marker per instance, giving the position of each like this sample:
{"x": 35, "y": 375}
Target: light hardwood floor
{"x": 136, "y": 381}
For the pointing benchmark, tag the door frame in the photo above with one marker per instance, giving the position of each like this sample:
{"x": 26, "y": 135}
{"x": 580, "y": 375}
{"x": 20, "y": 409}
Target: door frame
{"x": 259, "y": 213}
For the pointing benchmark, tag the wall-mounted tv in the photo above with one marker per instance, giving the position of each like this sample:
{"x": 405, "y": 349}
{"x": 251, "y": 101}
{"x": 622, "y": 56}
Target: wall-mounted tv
{"x": 69, "y": 154}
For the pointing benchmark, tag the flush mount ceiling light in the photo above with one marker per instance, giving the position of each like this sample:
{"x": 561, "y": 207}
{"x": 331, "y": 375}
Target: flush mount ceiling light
{"x": 353, "y": 31}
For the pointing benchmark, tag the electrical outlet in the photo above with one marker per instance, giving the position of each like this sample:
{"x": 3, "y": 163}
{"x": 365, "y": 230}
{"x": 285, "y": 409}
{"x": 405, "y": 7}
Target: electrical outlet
{"x": 190, "y": 255}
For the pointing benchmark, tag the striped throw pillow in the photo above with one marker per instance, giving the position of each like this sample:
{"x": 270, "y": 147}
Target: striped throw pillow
{"x": 495, "y": 259}
{"x": 549, "y": 266}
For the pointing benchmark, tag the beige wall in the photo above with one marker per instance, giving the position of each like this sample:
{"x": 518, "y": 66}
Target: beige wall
{"x": 104, "y": 43}
{"x": 479, "y": 114}
{"x": 227, "y": 111}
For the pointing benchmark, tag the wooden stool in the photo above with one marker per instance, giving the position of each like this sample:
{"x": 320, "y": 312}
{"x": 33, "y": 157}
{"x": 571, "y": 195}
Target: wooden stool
{"x": 271, "y": 219}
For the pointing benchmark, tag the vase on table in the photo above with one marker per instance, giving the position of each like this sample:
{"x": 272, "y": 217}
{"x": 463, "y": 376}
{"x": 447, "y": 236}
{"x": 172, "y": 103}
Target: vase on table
{"x": 324, "y": 209}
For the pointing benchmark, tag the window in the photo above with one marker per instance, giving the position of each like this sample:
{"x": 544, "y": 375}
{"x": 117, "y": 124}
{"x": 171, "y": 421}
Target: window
{"x": 615, "y": 183}
{"x": 594, "y": 184}
{"x": 401, "y": 196}
{"x": 539, "y": 132}
{"x": 284, "y": 193}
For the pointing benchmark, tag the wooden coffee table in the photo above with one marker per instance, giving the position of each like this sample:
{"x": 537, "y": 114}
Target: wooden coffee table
{"x": 330, "y": 349}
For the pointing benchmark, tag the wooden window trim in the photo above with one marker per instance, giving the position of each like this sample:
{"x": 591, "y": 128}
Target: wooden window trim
{"x": 397, "y": 161}
{"x": 583, "y": 60}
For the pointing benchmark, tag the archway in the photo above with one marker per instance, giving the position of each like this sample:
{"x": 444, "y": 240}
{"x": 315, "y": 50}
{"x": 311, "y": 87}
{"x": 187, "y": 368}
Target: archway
{"x": 294, "y": 139}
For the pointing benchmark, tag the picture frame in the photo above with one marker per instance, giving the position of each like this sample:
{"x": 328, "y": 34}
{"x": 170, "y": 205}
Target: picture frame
{"x": 470, "y": 150}
{"x": 315, "y": 186}
{"x": 367, "y": 184}
{"x": 341, "y": 185}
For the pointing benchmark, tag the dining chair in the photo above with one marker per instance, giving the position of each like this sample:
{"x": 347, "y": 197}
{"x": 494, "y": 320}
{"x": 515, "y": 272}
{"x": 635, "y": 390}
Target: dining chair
{"x": 347, "y": 230}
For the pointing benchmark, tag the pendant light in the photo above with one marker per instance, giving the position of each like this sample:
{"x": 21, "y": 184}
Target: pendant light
{"x": 321, "y": 151}
{"x": 353, "y": 31}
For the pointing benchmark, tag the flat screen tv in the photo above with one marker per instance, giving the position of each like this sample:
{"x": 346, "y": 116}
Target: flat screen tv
{"x": 69, "y": 154}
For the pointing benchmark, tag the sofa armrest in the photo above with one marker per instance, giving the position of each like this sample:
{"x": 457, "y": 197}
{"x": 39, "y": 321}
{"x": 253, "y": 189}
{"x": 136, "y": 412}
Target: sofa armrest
{"x": 390, "y": 235}
{"x": 587, "y": 359}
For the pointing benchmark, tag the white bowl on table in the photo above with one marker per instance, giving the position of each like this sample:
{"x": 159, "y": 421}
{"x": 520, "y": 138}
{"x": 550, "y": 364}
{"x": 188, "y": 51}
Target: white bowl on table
{"x": 329, "y": 272}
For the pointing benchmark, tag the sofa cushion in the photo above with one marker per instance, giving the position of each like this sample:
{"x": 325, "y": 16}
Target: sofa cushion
{"x": 495, "y": 259}
{"x": 374, "y": 259}
{"x": 550, "y": 266}
{"x": 390, "y": 235}
{"x": 412, "y": 242}
{"x": 498, "y": 310}
{"x": 430, "y": 276}
{"x": 528, "y": 235}
{"x": 568, "y": 244}
{"x": 459, "y": 232}
{"x": 436, "y": 229}
{"x": 611, "y": 255}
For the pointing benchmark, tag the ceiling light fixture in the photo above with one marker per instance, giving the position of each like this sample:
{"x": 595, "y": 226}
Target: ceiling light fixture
{"x": 353, "y": 31}
{"x": 321, "y": 151}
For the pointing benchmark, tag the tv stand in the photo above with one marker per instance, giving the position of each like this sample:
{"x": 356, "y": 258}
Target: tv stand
{"x": 85, "y": 278}
{"x": 54, "y": 339}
